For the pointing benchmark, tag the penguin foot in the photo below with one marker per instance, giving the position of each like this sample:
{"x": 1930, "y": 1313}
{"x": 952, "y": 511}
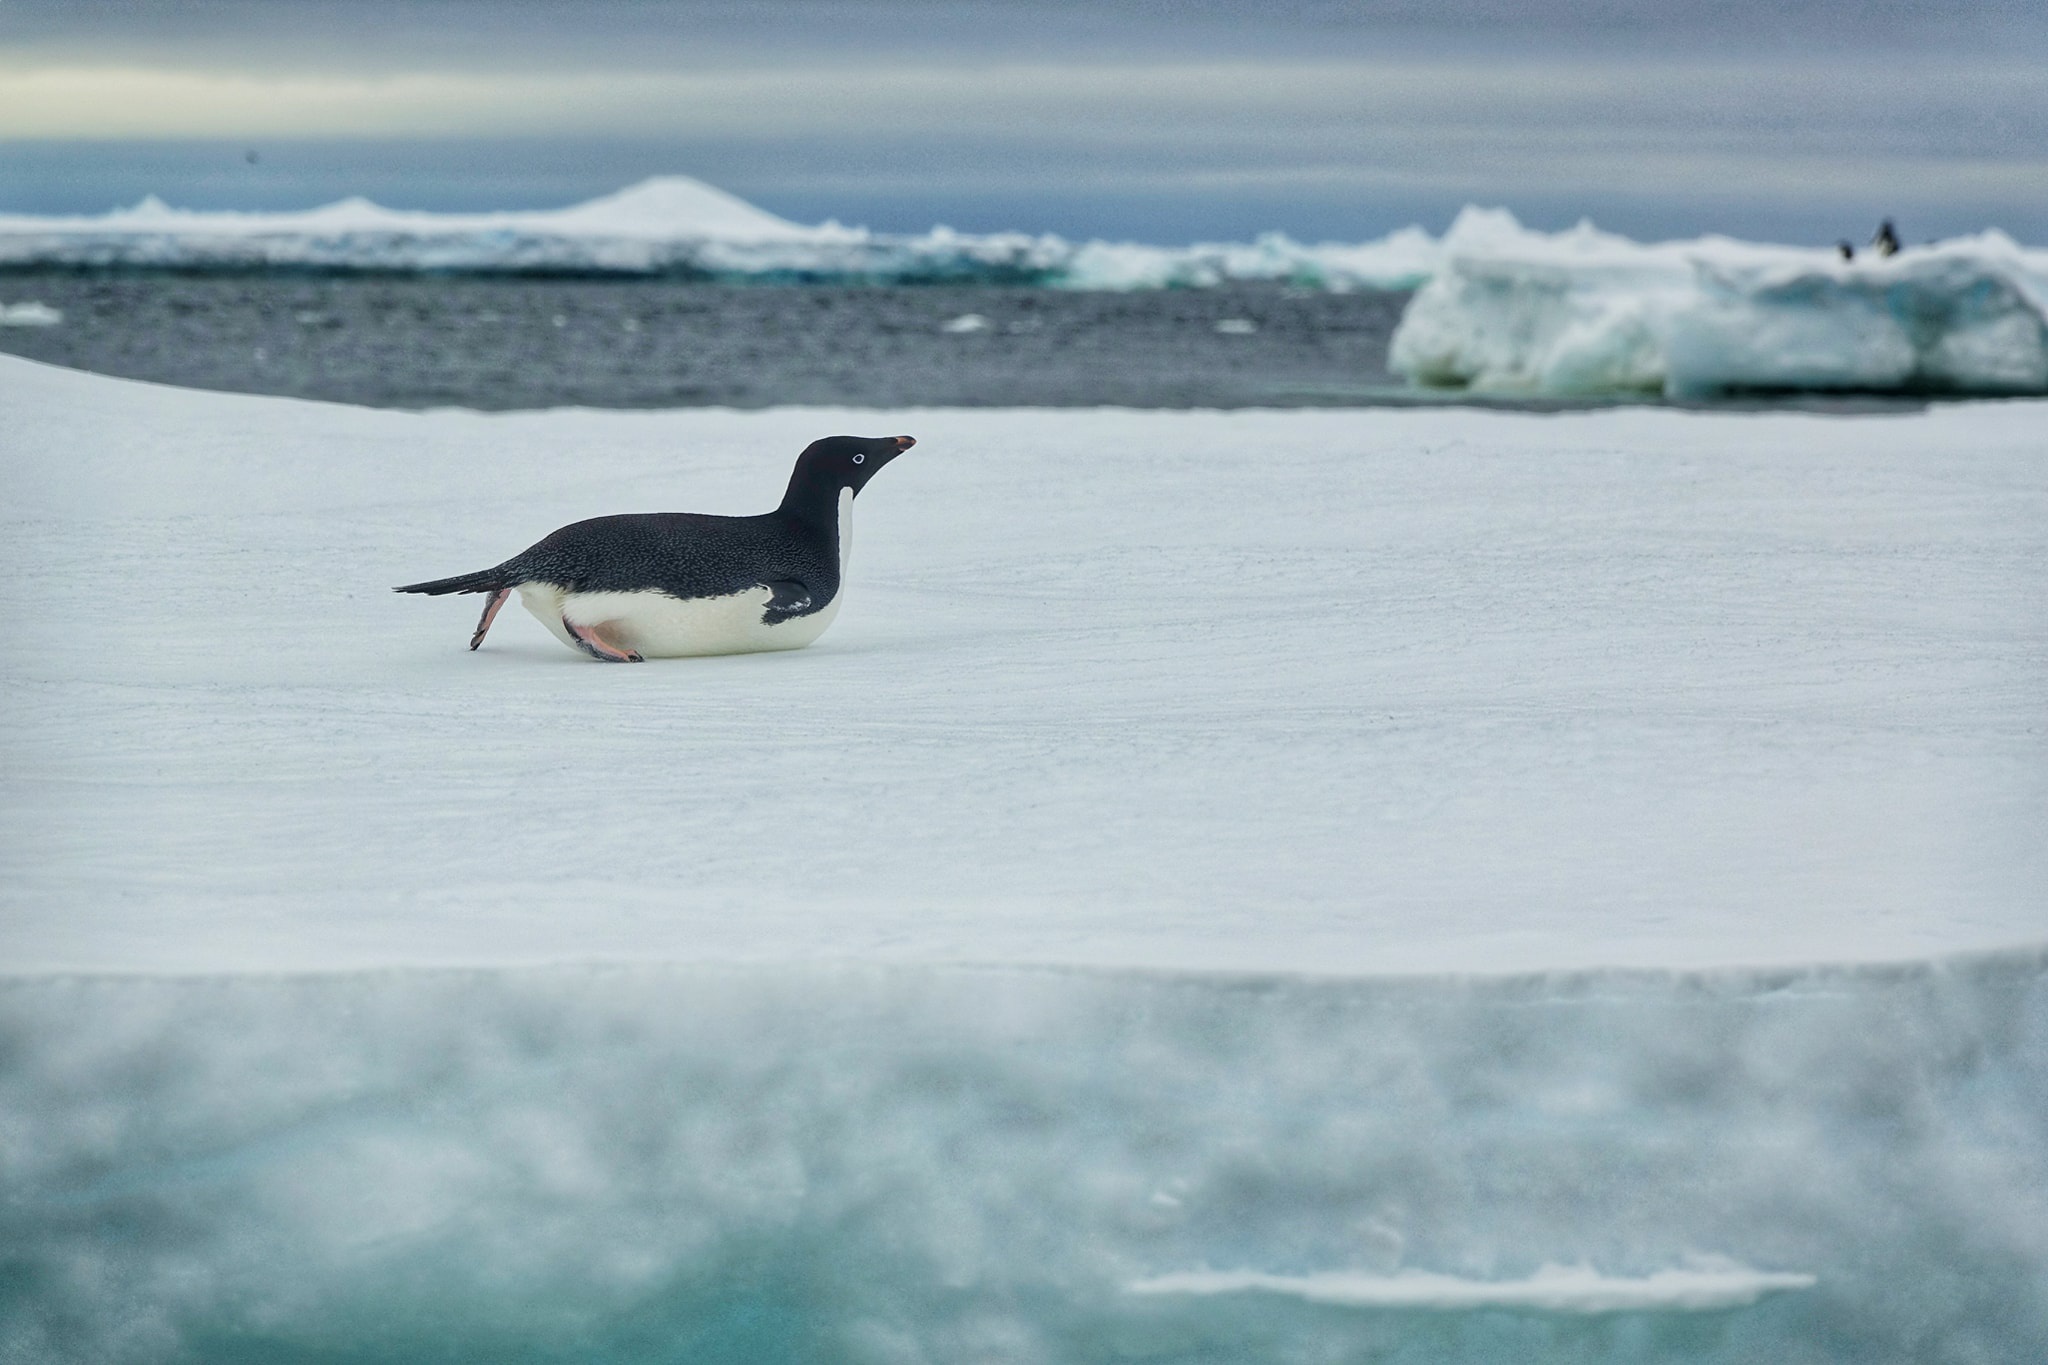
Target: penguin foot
{"x": 597, "y": 647}
{"x": 498, "y": 600}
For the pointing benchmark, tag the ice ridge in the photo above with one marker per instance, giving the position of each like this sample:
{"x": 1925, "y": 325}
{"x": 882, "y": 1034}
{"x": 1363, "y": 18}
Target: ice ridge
{"x": 790, "y": 1163}
{"x": 1703, "y": 1287}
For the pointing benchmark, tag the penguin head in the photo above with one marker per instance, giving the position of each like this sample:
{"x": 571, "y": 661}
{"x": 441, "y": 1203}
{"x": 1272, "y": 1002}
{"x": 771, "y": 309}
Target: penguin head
{"x": 839, "y": 462}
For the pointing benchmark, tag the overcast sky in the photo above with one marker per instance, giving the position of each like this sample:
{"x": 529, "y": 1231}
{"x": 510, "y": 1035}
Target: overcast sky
{"x": 1124, "y": 118}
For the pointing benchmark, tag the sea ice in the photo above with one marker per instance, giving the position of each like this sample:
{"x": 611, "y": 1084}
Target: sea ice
{"x": 798, "y": 1164}
{"x": 661, "y": 207}
{"x": 1585, "y": 313}
{"x": 1196, "y": 729}
{"x": 676, "y": 225}
{"x": 29, "y": 314}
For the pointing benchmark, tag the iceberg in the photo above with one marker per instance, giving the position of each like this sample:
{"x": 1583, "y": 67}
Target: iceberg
{"x": 1427, "y": 886}
{"x": 1586, "y": 313}
{"x": 662, "y": 224}
{"x": 679, "y": 227}
{"x": 659, "y": 208}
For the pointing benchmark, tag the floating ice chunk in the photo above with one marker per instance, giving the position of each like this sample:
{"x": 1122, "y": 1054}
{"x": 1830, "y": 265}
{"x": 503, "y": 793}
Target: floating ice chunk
{"x": 966, "y": 322}
{"x": 1965, "y": 316}
{"x": 1401, "y": 260}
{"x": 1586, "y": 312}
{"x": 1710, "y": 1284}
{"x": 1236, "y": 327}
{"x": 30, "y": 314}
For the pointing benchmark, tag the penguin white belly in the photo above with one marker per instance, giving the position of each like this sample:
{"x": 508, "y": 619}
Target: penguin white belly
{"x": 657, "y": 626}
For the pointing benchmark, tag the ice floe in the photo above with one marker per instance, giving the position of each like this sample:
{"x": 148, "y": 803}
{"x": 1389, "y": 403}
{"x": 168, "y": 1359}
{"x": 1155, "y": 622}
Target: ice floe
{"x": 1585, "y": 312}
{"x": 1297, "y": 778}
{"x": 29, "y": 314}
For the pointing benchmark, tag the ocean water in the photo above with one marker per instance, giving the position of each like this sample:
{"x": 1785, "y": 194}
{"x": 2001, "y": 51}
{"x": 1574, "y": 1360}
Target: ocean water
{"x": 510, "y": 342}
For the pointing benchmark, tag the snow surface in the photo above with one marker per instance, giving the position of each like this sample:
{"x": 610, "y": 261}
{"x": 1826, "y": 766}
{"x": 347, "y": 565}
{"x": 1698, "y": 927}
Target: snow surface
{"x": 1351, "y": 692}
{"x": 1584, "y": 312}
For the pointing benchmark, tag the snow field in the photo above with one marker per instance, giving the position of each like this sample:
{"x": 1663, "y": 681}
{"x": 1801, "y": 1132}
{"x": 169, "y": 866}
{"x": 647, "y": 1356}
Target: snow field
{"x": 1353, "y": 692}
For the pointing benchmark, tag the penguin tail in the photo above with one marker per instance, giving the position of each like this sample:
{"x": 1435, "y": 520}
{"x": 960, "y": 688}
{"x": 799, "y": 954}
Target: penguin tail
{"x": 485, "y": 580}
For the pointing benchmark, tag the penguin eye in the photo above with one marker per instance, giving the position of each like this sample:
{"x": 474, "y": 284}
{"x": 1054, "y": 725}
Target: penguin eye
{"x": 860, "y": 459}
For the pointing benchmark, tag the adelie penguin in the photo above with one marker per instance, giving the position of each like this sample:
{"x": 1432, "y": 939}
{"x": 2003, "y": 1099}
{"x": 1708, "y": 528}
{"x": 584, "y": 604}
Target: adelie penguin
{"x": 668, "y": 584}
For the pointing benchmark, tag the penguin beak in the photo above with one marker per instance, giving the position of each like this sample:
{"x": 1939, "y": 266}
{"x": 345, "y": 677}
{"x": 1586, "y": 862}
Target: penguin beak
{"x": 892, "y": 446}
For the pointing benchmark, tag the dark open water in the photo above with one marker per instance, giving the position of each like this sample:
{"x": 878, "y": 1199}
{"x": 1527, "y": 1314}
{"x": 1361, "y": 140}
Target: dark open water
{"x": 517, "y": 343}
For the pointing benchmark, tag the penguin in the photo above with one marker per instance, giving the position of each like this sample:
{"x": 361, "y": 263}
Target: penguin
{"x": 623, "y": 589}
{"x": 1886, "y": 242}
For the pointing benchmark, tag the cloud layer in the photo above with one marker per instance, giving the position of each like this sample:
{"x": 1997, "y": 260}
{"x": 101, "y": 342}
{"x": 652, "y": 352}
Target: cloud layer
{"x": 1929, "y": 108}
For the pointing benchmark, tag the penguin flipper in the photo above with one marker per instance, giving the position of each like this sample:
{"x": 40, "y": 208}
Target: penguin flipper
{"x": 491, "y": 609}
{"x": 786, "y": 598}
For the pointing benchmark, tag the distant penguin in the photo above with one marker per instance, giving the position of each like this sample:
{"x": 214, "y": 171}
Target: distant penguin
{"x": 1886, "y": 242}
{"x": 1847, "y": 252}
{"x": 668, "y": 584}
